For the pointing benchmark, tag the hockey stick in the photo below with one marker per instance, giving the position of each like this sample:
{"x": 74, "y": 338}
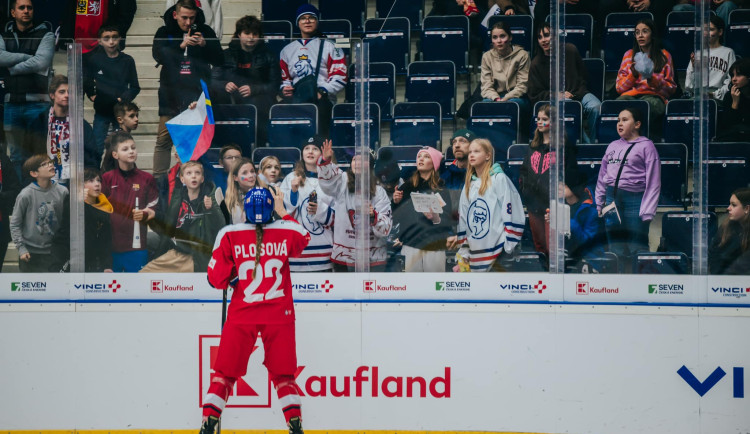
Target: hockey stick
{"x": 223, "y": 320}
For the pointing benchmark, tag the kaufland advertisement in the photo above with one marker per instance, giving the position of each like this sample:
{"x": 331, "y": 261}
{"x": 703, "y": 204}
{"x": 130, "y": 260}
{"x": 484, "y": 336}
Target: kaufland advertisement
{"x": 515, "y": 367}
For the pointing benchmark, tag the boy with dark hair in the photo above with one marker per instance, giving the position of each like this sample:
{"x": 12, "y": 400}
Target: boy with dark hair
{"x": 126, "y": 115}
{"x": 36, "y": 215}
{"x": 109, "y": 77}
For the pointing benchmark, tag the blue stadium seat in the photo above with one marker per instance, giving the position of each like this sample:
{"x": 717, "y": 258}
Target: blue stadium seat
{"x": 291, "y": 124}
{"x": 578, "y": 31}
{"x": 433, "y": 81}
{"x": 382, "y": 84}
{"x": 280, "y": 9}
{"x": 521, "y": 26}
{"x": 277, "y": 35}
{"x": 573, "y": 120}
{"x": 338, "y": 31}
{"x": 606, "y": 127}
{"x": 405, "y": 156}
{"x": 287, "y": 156}
{"x": 389, "y": 41}
{"x": 677, "y": 231}
{"x": 496, "y": 121}
{"x": 728, "y": 170}
{"x": 674, "y": 172}
{"x": 524, "y": 262}
{"x": 661, "y": 263}
{"x": 515, "y": 157}
{"x": 416, "y": 123}
{"x": 595, "y": 77}
{"x": 619, "y": 31}
{"x": 679, "y": 121}
{"x": 446, "y": 38}
{"x": 679, "y": 36}
{"x": 353, "y": 11}
{"x": 343, "y": 155}
{"x": 606, "y": 264}
{"x": 589, "y": 158}
{"x": 235, "y": 124}
{"x": 738, "y": 32}
{"x": 411, "y": 9}
{"x": 342, "y": 125}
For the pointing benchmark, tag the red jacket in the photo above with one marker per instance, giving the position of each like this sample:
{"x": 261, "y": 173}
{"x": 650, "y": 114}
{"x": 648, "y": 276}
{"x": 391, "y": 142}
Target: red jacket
{"x": 122, "y": 188}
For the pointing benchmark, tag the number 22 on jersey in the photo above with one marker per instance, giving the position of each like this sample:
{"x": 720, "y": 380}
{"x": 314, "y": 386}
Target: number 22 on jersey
{"x": 270, "y": 270}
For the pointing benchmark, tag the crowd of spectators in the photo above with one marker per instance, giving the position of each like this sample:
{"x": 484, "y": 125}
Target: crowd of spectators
{"x": 466, "y": 211}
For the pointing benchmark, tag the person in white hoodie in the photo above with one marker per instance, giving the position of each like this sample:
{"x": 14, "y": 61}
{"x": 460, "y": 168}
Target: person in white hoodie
{"x": 346, "y": 204}
{"x": 491, "y": 217}
{"x": 720, "y": 59}
{"x": 306, "y": 202}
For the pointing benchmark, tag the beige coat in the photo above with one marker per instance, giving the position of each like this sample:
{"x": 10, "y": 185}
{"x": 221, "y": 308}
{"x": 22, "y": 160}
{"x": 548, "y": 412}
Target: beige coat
{"x": 507, "y": 74}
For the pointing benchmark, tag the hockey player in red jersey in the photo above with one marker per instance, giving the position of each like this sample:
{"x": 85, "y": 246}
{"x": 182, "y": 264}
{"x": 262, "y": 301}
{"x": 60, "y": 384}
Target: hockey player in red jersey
{"x": 256, "y": 255}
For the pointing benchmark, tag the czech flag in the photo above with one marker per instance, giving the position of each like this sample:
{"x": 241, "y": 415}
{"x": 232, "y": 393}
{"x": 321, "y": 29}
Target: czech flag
{"x": 193, "y": 130}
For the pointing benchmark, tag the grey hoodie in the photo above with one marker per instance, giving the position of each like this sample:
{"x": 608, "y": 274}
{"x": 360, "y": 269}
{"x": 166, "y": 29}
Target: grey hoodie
{"x": 36, "y": 217}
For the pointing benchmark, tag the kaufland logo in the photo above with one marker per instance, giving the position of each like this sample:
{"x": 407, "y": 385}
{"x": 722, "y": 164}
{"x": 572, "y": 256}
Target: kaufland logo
{"x": 28, "y": 286}
{"x": 666, "y": 289}
{"x": 452, "y": 286}
{"x": 372, "y": 286}
{"x": 158, "y": 286}
{"x": 584, "y": 288}
{"x": 313, "y": 288}
{"x": 524, "y": 288}
{"x": 254, "y": 389}
{"x": 731, "y": 291}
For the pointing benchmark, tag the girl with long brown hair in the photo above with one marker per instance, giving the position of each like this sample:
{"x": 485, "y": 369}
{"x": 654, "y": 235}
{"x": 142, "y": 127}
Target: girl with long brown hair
{"x": 730, "y": 251}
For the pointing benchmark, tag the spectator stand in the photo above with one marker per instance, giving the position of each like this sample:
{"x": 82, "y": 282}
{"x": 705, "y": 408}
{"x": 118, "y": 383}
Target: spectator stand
{"x": 679, "y": 122}
{"x": 405, "y": 156}
{"x": 433, "y": 81}
{"x": 287, "y": 156}
{"x": 235, "y": 123}
{"x": 389, "y": 41}
{"x": 354, "y": 11}
{"x": 413, "y": 10}
{"x": 595, "y": 77}
{"x": 417, "y": 123}
{"x": 677, "y": 232}
{"x": 607, "y": 264}
{"x": 515, "y": 156}
{"x": 340, "y": 33}
{"x": 521, "y": 27}
{"x": 680, "y": 29}
{"x": 280, "y": 9}
{"x": 291, "y": 124}
{"x": 343, "y": 124}
{"x": 277, "y": 35}
{"x": 382, "y": 85}
{"x": 447, "y": 38}
{"x": 728, "y": 169}
{"x": 738, "y": 32}
{"x": 578, "y": 30}
{"x": 497, "y": 122}
{"x": 573, "y": 120}
{"x": 606, "y": 127}
{"x": 618, "y": 36}
{"x": 660, "y": 263}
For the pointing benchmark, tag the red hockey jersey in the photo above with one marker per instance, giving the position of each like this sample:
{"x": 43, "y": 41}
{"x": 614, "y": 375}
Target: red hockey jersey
{"x": 267, "y": 299}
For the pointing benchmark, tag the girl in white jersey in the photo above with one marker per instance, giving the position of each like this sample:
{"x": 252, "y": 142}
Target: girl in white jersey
{"x": 491, "y": 217}
{"x": 307, "y": 203}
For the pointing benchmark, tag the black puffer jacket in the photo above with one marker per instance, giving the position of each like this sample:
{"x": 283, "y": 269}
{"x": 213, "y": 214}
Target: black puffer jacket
{"x": 258, "y": 69}
{"x": 177, "y": 89}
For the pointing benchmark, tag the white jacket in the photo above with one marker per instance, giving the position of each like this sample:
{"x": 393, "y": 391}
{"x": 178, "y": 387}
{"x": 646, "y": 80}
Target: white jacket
{"x": 492, "y": 222}
{"x": 332, "y": 181}
{"x": 317, "y": 254}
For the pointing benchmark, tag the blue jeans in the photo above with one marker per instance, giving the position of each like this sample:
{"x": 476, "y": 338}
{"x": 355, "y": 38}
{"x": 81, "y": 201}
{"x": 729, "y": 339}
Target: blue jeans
{"x": 17, "y": 126}
{"x": 630, "y": 236}
{"x": 129, "y": 262}
{"x": 591, "y": 105}
{"x": 722, "y": 11}
{"x": 101, "y": 128}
